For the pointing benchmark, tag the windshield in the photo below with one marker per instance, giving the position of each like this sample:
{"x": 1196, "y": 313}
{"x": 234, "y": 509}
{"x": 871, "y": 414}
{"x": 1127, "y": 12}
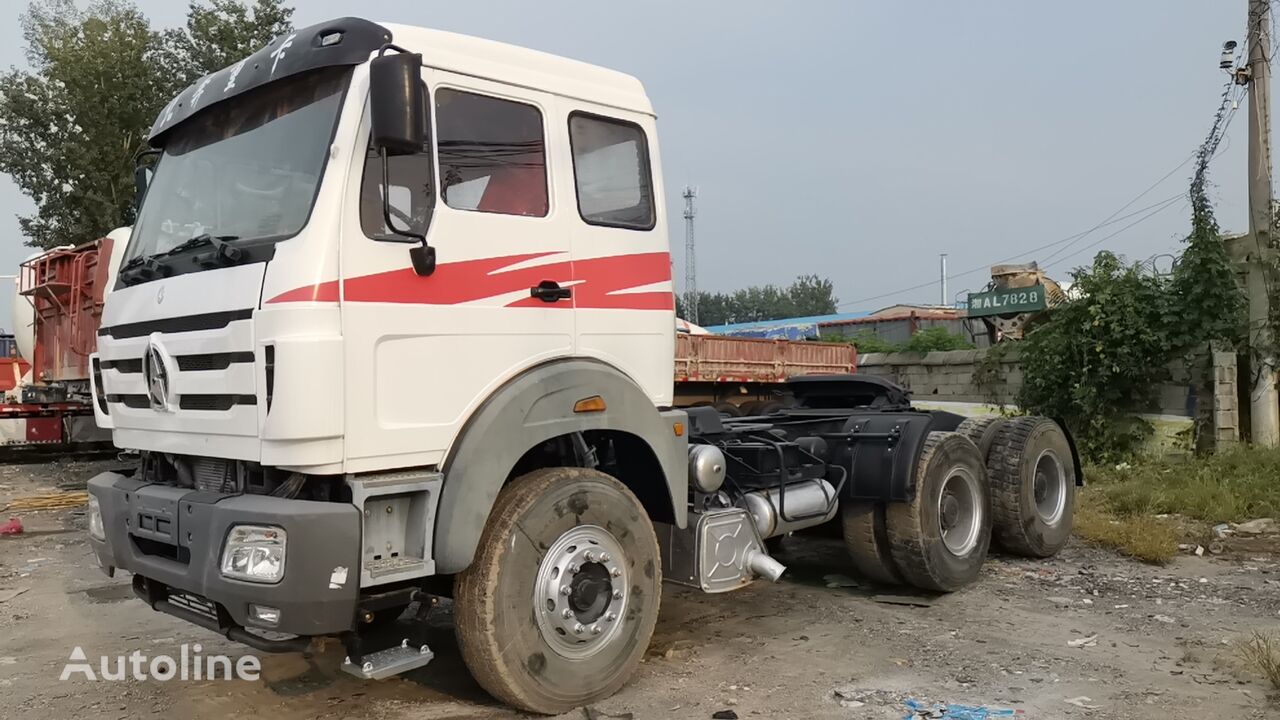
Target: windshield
{"x": 243, "y": 169}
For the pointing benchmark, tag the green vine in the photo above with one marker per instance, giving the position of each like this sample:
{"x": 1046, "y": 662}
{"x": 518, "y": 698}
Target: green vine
{"x": 989, "y": 376}
{"x": 1098, "y": 360}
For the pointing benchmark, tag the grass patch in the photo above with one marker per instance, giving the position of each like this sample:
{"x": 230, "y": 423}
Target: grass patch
{"x": 1232, "y": 486}
{"x": 1141, "y": 536}
{"x": 1259, "y": 654}
{"x": 1119, "y": 506}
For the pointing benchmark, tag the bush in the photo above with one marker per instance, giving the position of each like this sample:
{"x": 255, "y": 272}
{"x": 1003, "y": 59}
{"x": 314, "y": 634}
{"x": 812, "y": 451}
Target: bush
{"x": 1099, "y": 358}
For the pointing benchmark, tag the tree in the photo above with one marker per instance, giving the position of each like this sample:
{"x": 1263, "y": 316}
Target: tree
{"x": 808, "y": 295}
{"x": 223, "y": 32}
{"x": 71, "y": 125}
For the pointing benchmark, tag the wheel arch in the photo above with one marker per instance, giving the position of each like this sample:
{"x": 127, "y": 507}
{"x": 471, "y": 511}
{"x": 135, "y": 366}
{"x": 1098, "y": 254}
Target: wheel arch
{"x": 535, "y": 407}
{"x": 1075, "y": 451}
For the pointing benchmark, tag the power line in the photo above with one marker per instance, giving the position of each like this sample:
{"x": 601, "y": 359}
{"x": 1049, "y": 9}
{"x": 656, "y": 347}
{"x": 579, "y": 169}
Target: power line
{"x": 1124, "y": 207}
{"x": 1168, "y": 204}
{"x": 987, "y": 266}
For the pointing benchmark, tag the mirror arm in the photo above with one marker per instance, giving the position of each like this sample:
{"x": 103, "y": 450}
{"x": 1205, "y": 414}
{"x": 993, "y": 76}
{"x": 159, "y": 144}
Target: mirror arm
{"x": 423, "y": 257}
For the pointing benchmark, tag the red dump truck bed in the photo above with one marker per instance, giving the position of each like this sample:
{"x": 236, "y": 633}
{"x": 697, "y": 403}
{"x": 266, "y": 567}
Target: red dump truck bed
{"x": 715, "y": 358}
{"x": 66, "y": 289}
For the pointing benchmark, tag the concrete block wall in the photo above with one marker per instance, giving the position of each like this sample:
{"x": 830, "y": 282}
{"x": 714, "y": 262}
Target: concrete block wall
{"x": 950, "y": 377}
{"x": 946, "y": 376}
{"x": 1226, "y": 403}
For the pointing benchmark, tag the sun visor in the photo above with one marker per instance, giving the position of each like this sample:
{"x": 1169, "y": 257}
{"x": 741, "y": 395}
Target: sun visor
{"x": 346, "y": 41}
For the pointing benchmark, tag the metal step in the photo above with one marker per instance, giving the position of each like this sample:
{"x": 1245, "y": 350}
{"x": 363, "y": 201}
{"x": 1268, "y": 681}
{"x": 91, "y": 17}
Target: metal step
{"x": 392, "y": 661}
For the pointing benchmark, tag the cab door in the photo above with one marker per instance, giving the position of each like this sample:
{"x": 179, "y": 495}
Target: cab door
{"x": 622, "y": 265}
{"x": 423, "y": 352}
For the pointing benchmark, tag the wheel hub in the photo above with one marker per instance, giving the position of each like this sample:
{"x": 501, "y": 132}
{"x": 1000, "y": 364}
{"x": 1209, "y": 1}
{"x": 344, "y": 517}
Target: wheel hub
{"x": 1049, "y": 487}
{"x": 950, "y": 511}
{"x": 581, "y": 591}
{"x": 959, "y": 512}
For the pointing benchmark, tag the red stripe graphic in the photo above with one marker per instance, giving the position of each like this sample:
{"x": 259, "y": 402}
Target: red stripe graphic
{"x": 596, "y": 283}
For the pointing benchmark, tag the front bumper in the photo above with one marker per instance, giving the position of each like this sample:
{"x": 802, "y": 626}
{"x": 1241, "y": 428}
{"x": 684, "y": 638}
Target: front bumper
{"x": 172, "y": 539}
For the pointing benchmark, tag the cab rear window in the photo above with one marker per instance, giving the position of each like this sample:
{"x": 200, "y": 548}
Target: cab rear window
{"x": 611, "y": 172}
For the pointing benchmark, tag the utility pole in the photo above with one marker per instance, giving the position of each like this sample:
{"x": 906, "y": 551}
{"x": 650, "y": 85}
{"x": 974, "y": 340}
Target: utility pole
{"x": 943, "y": 278}
{"x": 1264, "y": 408}
{"x": 690, "y": 258}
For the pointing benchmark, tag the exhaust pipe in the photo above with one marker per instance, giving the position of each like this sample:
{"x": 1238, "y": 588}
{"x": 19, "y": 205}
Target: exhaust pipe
{"x": 763, "y": 565}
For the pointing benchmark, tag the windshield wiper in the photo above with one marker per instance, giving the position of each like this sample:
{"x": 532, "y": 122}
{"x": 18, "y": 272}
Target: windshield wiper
{"x": 149, "y": 267}
{"x": 223, "y": 254}
{"x": 142, "y": 269}
{"x": 200, "y": 241}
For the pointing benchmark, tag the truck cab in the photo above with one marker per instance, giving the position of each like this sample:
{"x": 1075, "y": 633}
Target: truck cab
{"x": 395, "y": 323}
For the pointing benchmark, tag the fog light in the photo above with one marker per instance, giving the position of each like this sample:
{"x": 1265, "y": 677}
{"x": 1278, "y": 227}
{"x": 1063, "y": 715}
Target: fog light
{"x": 264, "y": 615}
{"x": 96, "y": 530}
{"x": 254, "y": 553}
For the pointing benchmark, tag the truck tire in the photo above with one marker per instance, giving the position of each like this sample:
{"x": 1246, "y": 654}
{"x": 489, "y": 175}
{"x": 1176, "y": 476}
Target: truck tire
{"x": 867, "y": 541}
{"x": 1033, "y": 484}
{"x": 728, "y": 408}
{"x": 982, "y": 431}
{"x": 558, "y": 606}
{"x": 770, "y": 407}
{"x": 939, "y": 539}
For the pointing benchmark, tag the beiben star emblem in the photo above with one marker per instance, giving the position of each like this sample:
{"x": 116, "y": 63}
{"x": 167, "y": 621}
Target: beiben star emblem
{"x": 156, "y": 373}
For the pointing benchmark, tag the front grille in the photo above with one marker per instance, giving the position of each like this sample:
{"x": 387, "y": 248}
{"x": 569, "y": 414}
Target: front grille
{"x": 194, "y": 603}
{"x": 212, "y": 361}
{"x": 213, "y": 475}
{"x": 137, "y": 402}
{"x": 123, "y": 366}
{"x": 155, "y": 548}
{"x": 215, "y": 402}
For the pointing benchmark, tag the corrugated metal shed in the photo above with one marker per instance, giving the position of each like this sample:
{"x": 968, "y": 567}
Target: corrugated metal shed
{"x": 783, "y": 329}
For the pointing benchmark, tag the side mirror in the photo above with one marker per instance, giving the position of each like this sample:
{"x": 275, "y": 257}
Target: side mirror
{"x": 142, "y": 172}
{"x": 397, "y": 103}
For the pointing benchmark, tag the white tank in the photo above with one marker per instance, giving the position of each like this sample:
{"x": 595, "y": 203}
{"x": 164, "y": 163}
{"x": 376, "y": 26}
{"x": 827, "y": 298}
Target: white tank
{"x": 24, "y": 317}
{"x": 119, "y": 242}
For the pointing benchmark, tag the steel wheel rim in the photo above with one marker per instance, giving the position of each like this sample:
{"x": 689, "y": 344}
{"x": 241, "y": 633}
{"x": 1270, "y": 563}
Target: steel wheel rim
{"x": 1049, "y": 487}
{"x": 580, "y": 592}
{"x": 960, "y": 512}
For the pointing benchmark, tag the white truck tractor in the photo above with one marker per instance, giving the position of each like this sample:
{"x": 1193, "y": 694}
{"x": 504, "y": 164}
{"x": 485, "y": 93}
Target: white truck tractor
{"x": 395, "y": 323}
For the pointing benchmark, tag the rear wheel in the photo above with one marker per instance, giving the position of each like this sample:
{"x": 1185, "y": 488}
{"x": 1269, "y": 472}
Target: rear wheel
{"x": 982, "y": 431}
{"x": 728, "y": 408}
{"x": 558, "y": 606}
{"x": 867, "y": 541}
{"x": 939, "y": 540}
{"x": 1033, "y": 483}
{"x": 770, "y": 407}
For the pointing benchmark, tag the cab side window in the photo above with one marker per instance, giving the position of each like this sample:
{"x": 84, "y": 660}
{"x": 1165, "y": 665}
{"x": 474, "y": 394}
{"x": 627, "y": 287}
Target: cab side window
{"x": 611, "y": 172}
{"x": 410, "y": 192}
{"x": 492, "y": 154}
{"x": 493, "y": 158}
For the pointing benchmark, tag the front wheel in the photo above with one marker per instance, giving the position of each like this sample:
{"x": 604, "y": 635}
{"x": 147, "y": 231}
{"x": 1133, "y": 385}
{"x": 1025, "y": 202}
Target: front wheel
{"x": 558, "y": 606}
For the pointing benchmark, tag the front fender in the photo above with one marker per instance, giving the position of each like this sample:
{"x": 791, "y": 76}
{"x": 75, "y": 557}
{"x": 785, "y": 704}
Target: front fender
{"x": 532, "y": 408}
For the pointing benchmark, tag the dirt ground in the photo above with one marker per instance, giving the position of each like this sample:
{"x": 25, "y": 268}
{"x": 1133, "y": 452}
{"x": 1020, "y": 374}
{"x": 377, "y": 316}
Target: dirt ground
{"x": 769, "y": 651}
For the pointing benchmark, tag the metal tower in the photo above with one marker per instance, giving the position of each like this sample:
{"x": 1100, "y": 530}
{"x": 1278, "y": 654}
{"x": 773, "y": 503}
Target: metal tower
{"x": 690, "y": 258}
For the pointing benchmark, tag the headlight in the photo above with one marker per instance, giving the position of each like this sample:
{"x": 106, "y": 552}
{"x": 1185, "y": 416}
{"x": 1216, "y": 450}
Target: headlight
{"x": 254, "y": 553}
{"x": 96, "y": 530}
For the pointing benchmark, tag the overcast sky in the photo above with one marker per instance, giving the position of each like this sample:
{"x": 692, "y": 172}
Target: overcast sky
{"x": 858, "y": 140}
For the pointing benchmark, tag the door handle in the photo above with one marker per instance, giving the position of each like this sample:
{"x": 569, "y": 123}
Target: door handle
{"x": 550, "y": 291}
